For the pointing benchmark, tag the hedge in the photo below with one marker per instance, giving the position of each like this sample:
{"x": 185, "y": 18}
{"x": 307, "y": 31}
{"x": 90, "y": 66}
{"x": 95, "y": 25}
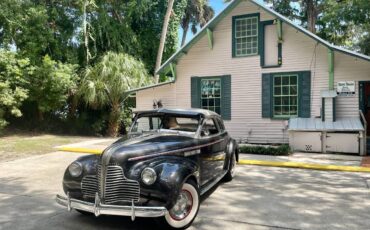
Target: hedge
{"x": 279, "y": 150}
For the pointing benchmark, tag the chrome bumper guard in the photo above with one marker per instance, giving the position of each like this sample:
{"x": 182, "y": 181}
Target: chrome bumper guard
{"x": 98, "y": 208}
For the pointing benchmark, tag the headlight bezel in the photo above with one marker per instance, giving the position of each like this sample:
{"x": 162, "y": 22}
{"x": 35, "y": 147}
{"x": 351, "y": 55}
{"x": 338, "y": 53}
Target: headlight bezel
{"x": 146, "y": 173}
{"x": 77, "y": 170}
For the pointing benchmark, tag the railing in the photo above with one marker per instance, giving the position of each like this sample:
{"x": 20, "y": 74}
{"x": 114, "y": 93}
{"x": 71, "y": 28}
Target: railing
{"x": 363, "y": 120}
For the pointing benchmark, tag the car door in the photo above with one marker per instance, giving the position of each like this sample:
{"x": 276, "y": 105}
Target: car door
{"x": 212, "y": 154}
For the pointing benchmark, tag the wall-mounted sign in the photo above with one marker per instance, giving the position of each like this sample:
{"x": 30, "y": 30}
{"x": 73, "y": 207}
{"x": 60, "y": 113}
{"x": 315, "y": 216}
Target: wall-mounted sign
{"x": 346, "y": 88}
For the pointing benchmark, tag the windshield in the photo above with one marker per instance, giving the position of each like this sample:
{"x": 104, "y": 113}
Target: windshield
{"x": 166, "y": 122}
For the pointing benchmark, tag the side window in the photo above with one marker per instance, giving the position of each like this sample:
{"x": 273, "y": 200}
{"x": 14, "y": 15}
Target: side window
{"x": 209, "y": 128}
{"x": 146, "y": 124}
{"x": 221, "y": 125}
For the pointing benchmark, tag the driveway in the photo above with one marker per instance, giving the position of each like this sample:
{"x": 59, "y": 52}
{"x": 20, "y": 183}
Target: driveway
{"x": 258, "y": 198}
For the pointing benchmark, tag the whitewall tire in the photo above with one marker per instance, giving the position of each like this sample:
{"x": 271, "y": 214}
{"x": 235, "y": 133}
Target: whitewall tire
{"x": 183, "y": 213}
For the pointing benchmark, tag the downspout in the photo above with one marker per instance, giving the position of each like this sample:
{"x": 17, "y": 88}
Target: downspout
{"x": 331, "y": 68}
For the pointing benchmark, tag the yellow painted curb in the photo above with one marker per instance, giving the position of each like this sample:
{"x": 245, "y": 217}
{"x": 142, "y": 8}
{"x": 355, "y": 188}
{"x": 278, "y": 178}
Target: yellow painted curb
{"x": 291, "y": 164}
{"x": 287, "y": 164}
{"x": 80, "y": 150}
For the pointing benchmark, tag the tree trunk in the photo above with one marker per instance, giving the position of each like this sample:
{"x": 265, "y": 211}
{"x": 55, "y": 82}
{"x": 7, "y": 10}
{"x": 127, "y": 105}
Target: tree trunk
{"x": 86, "y": 36}
{"x": 163, "y": 38}
{"x": 73, "y": 104}
{"x": 114, "y": 119}
{"x": 40, "y": 114}
{"x": 184, "y": 33}
{"x": 311, "y": 16}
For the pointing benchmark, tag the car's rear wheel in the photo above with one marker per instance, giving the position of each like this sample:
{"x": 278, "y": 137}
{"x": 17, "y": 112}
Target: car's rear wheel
{"x": 231, "y": 171}
{"x": 183, "y": 213}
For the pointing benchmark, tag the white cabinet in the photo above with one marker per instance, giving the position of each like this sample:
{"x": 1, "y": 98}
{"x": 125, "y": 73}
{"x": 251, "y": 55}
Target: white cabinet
{"x": 305, "y": 141}
{"x": 342, "y": 142}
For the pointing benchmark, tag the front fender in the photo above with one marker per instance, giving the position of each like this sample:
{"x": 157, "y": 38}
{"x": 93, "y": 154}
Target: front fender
{"x": 73, "y": 184}
{"x": 172, "y": 172}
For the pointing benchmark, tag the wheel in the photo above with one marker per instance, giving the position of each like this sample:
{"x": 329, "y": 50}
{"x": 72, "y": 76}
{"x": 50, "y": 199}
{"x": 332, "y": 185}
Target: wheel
{"x": 183, "y": 213}
{"x": 231, "y": 171}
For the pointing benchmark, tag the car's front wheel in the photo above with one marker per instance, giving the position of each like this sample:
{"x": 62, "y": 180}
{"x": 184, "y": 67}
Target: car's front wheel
{"x": 183, "y": 213}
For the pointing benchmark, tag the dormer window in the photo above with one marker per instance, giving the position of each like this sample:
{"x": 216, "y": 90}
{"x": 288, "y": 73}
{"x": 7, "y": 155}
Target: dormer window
{"x": 245, "y": 35}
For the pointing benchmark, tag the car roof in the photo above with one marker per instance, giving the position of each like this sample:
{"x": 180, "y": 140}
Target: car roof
{"x": 184, "y": 112}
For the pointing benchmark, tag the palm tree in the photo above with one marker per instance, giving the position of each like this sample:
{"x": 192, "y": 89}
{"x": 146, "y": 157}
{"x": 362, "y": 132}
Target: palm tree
{"x": 163, "y": 37}
{"x": 107, "y": 82}
{"x": 197, "y": 12}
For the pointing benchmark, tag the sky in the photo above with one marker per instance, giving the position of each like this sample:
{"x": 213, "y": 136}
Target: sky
{"x": 218, "y": 6}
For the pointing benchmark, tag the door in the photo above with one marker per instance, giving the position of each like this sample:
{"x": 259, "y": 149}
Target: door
{"x": 212, "y": 155}
{"x": 342, "y": 142}
{"x": 364, "y": 101}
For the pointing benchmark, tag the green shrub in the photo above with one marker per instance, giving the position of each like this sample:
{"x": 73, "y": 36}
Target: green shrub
{"x": 279, "y": 150}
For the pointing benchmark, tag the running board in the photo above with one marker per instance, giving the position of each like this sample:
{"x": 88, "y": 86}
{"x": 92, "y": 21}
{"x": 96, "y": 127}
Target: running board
{"x": 211, "y": 184}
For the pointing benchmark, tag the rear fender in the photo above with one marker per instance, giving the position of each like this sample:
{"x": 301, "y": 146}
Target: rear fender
{"x": 231, "y": 148}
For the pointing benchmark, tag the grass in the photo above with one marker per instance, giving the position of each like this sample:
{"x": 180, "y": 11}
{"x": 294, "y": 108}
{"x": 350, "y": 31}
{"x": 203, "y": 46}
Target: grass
{"x": 19, "y": 146}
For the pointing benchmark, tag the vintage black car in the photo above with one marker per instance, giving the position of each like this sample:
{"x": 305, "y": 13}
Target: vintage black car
{"x": 169, "y": 159}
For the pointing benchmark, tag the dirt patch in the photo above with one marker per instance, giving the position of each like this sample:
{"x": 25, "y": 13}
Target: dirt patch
{"x": 19, "y": 146}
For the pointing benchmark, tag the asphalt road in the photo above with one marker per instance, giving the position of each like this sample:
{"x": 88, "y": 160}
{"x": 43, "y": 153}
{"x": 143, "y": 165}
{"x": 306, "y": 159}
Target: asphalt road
{"x": 258, "y": 198}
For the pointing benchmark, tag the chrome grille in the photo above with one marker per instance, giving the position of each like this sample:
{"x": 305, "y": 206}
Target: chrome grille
{"x": 99, "y": 174}
{"x": 89, "y": 186}
{"x": 118, "y": 188}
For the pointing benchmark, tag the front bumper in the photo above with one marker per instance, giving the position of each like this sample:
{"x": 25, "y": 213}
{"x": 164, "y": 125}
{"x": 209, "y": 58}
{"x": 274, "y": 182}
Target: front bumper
{"x": 98, "y": 208}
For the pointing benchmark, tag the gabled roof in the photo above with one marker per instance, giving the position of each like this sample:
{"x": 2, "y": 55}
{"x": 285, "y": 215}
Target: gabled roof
{"x": 212, "y": 24}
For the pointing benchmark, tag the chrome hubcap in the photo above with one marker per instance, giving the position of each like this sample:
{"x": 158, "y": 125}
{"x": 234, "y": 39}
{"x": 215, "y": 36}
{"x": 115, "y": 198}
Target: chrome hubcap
{"x": 183, "y": 205}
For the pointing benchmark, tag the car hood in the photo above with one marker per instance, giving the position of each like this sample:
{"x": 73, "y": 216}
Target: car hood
{"x": 145, "y": 144}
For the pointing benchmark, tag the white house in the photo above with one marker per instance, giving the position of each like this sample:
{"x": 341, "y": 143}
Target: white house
{"x": 271, "y": 80}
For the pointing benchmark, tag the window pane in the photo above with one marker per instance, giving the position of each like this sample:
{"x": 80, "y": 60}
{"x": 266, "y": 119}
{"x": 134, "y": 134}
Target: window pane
{"x": 277, "y": 81}
{"x": 285, "y": 111}
{"x": 285, "y": 81}
{"x": 293, "y": 90}
{"x": 285, "y": 90}
{"x": 277, "y": 110}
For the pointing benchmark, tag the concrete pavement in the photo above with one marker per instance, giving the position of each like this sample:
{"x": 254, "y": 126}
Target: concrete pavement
{"x": 258, "y": 198}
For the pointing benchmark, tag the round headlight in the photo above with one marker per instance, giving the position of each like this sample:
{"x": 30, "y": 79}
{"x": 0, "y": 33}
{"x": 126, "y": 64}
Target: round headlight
{"x": 75, "y": 169}
{"x": 148, "y": 176}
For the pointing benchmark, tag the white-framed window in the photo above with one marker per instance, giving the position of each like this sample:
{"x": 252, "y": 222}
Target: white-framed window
{"x": 211, "y": 94}
{"x": 246, "y": 36}
{"x": 285, "y": 95}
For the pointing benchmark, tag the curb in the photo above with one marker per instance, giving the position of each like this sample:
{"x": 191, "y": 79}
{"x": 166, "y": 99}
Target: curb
{"x": 291, "y": 164}
{"x": 79, "y": 150}
{"x": 286, "y": 164}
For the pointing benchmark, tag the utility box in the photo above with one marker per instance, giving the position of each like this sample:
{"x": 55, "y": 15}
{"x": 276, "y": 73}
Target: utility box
{"x": 344, "y": 135}
{"x": 342, "y": 142}
{"x": 305, "y": 141}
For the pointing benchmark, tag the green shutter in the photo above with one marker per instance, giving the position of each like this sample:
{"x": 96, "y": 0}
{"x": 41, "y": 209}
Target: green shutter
{"x": 195, "y": 92}
{"x": 266, "y": 95}
{"x": 226, "y": 97}
{"x": 304, "y": 89}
